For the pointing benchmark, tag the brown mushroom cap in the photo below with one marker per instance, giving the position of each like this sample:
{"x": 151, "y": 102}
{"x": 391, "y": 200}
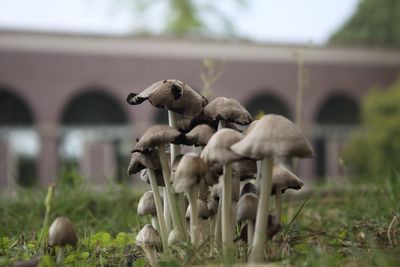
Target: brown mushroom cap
{"x": 144, "y": 176}
{"x": 146, "y": 205}
{"x": 247, "y": 207}
{"x": 228, "y": 109}
{"x": 283, "y": 179}
{"x": 158, "y": 135}
{"x": 190, "y": 170}
{"x": 148, "y": 235}
{"x": 62, "y": 232}
{"x": 217, "y": 150}
{"x": 203, "y": 212}
{"x": 142, "y": 160}
{"x": 273, "y": 135}
{"x": 171, "y": 95}
{"x": 249, "y": 188}
{"x": 200, "y": 135}
{"x": 244, "y": 169}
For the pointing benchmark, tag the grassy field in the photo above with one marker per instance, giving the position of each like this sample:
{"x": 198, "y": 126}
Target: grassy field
{"x": 330, "y": 226}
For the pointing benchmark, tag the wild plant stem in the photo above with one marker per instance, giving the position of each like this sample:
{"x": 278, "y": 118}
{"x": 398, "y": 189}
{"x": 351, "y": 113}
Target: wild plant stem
{"x": 60, "y": 256}
{"x": 194, "y": 218}
{"x": 47, "y": 202}
{"x": 167, "y": 213}
{"x": 250, "y": 233}
{"x": 227, "y": 226}
{"x": 159, "y": 208}
{"x": 260, "y": 232}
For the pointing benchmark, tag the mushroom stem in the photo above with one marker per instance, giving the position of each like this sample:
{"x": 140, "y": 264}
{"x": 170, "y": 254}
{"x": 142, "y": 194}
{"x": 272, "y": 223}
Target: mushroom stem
{"x": 250, "y": 232}
{"x": 218, "y": 226}
{"x": 175, "y": 150}
{"x": 221, "y": 124}
{"x": 177, "y": 218}
{"x": 227, "y": 227}
{"x": 194, "y": 220}
{"x": 203, "y": 190}
{"x": 260, "y": 238}
{"x": 154, "y": 223}
{"x": 167, "y": 213}
{"x": 151, "y": 254}
{"x": 157, "y": 200}
{"x": 278, "y": 200}
{"x": 60, "y": 256}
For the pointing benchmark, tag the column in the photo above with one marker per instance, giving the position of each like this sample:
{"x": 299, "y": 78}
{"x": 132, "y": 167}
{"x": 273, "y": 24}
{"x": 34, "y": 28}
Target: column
{"x": 48, "y": 158}
{"x": 332, "y": 157}
{"x": 8, "y": 166}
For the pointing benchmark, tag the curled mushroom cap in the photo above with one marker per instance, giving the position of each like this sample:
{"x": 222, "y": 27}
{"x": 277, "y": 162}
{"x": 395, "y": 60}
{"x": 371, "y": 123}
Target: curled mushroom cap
{"x": 158, "y": 135}
{"x": 142, "y": 160}
{"x": 148, "y": 236}
{"x": 228, "y": 109}
{"x": 190, "y": 170}
{"x": 247, "y": 207}
{"x": 62, "y": 232}
{"x": 283, "y": 179}
{"x": 146, "y": 204}
{"x": 144, "y": 176}
{"x": 203, "y": 212}
{"x": 273, "y": 135}
{"x": 200, "y": 135}
{"x": 217, "y": 150}
{"x": 172, "y": 95}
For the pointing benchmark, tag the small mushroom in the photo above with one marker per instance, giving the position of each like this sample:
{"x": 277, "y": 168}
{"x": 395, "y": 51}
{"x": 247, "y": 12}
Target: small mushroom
{"x": 247, "y": 211}
{"x": 200, "y": 135}
{"x": 148, "y": 239}
{"x": 147, "y": 206}
{"x": 62, "y": 233}
{"x": 228, "y": 110}
{"x": 273, "y": 135}
{"x": 139, "y": 161}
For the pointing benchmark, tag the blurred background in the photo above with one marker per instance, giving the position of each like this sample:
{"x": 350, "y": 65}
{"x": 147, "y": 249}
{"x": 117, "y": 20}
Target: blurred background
{"x": 66, "y": 68}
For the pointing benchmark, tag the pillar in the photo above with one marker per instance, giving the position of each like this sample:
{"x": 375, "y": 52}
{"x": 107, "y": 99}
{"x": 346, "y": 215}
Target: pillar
{"x": 8, "y": 166}
{"x": 48, "y": 157}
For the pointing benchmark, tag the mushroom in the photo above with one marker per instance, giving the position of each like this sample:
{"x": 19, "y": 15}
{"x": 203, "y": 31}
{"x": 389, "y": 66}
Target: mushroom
{"x": 203, "y": 215}
{"x": 148, "y": 239}
{"x": 62, "y": 233}
{"x": 283, "y": 179}
{"x": 217, "y": 152}
{"x": 156, "y": 138}
{"x": 200, "y": 135}
{"x": 28, "y": 263}
{"x": 190, "y": 170}
{"x": 273, "y": 135}
{"x": 248, "y": 187}
{"x": 247, "y": 211}
{"x": 147, "y": 206}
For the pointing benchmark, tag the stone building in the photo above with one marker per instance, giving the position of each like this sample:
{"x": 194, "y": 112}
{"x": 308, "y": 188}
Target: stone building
{"x": 62, "y": 97}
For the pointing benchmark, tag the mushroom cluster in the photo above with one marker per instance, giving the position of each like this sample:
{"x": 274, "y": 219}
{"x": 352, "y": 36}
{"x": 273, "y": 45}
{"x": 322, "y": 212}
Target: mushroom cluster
{"x": 220, "y": 190}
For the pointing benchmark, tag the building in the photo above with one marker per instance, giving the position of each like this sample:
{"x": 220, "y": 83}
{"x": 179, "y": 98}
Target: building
{"x": 62, "y": 97}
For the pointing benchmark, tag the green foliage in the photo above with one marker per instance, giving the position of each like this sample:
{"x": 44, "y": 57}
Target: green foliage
{"x": 376, "y": 22}
{"x": 375, "y": 152}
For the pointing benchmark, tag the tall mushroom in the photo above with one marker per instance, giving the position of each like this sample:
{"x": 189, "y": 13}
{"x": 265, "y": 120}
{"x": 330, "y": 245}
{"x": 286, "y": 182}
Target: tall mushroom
{"x": 273, "y": 135}
{"x": 217, "y": 152}
{"x": 148, "y": 239}
{"x": 62, "y": 233}
{"x": 190, "y": 170}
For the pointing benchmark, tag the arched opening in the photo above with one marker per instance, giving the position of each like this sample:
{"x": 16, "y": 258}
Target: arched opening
{"x": 21, "y": 141}
{"x": 95, "y": 136}
{"x": 266, "y": 104}
{"x": 336, "y": 117}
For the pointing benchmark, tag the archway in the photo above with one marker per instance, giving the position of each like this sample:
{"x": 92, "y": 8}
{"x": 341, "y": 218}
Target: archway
{"x": 93, "y": 120}
{"x": 267, "y": 103}
{"x": 335, "y": 118}
{"x": 16, "y": 130}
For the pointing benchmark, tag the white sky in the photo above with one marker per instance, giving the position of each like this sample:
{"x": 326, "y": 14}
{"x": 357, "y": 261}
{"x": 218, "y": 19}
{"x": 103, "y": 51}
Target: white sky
{"x": 295, "y": 21}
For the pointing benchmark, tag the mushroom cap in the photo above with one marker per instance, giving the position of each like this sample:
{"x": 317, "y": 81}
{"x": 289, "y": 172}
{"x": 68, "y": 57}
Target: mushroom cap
{"x": 200, "y": 135}
{"x": 244, "y": 169}
{"x": 216, "y": 190}
{"x": 283, "y": 178}
{"x": 142, "y": 160}
{"x": 158, "y": 135}
{"x": 201, "y": 207}
{"x": 146, "y": 204}
{"x": 190, "y": 170}
{"x": 249, "y": 188}
{"x": 273, "y": 135}
{"x": 228, "y": 109}
{"x": 250, "y": 127}
{"x": 171, "y": 95}
{"x": 148, "y": 235}
{"x": 28, "y": 263}
{"x": 247, "y": 207}
{"x": 175, "y": 166}
{"x": 144, "y": 176}
{"x": 175, "y": 237}
{"x": 212, "y": 205}
{"x": 62, "y": 232}
{"x": 217, "y": 150}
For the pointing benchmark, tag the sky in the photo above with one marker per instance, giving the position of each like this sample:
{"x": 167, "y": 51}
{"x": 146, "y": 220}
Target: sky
{"x": 282, "y": 21}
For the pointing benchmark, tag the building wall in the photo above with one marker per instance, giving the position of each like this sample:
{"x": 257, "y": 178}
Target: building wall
{"x": 48, "y": 79}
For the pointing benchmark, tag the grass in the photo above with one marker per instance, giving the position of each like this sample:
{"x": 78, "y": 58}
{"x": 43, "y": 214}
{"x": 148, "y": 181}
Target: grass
{"x": 347, "y": 225}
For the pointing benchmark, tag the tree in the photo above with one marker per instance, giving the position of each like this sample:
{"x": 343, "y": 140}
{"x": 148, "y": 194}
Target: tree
{"x": 376, "y": 22}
